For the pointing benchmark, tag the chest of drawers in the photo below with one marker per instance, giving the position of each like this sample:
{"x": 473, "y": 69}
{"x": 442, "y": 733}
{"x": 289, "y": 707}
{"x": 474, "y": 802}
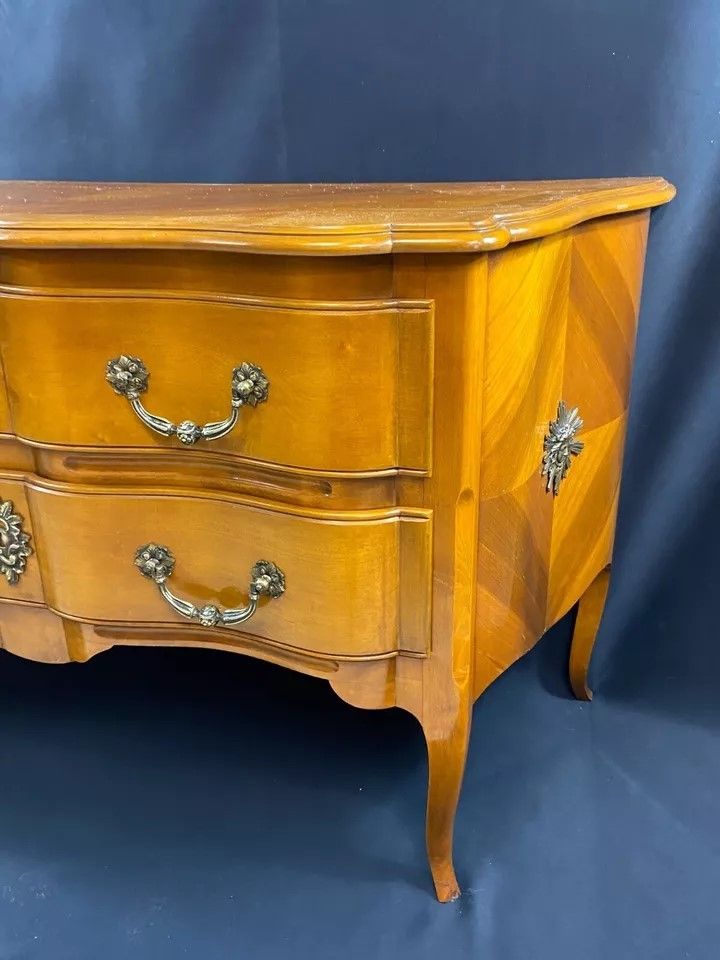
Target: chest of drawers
{"x": 368, "y": 432}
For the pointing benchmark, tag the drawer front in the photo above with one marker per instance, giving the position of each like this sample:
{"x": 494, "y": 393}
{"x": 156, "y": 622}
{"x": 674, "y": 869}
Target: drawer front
{"x": 354, "y": 587}
{"x": 350, "y": 387}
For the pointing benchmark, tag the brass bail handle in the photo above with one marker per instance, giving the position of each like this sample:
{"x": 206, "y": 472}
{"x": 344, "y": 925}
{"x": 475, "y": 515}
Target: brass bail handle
{"x": 128, "y": 376}
{"x": 157, "y": 563}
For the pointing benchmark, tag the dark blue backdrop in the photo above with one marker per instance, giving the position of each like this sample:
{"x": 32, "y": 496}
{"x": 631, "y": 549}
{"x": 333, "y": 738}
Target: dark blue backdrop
{"x": 154, "y": 804}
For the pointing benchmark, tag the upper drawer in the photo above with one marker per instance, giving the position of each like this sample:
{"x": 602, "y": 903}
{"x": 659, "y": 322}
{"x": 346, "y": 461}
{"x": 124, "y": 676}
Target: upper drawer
{"x": 350, "y": 384}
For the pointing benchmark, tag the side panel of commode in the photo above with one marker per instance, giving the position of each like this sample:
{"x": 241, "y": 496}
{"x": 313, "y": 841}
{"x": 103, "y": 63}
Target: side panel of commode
{"x": 562, "y": 317}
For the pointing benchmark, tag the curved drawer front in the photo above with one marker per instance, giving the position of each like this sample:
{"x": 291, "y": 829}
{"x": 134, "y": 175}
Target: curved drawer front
{"x": 349, "y": 386}
{"x": 353, "y": 587}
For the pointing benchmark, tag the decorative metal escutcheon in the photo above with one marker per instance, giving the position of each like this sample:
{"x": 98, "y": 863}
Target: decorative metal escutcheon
{"x": 560, "y": 446}
{"x": 14, "y": 543}
{"x": 157, "y": 563}
{"x": 128, "y": 376}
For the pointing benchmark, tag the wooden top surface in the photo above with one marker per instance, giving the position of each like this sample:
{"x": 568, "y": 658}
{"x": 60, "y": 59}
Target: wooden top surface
{"x": 343, "y": 218}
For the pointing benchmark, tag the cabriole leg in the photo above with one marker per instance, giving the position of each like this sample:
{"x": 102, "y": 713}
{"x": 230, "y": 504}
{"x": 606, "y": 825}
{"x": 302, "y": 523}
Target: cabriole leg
{"x": 447, "y": 752}
{"x": 587, "y": 622}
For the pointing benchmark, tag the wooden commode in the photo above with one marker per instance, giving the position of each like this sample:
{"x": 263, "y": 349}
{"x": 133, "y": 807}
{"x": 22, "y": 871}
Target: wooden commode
{"x": 369, "y": 432}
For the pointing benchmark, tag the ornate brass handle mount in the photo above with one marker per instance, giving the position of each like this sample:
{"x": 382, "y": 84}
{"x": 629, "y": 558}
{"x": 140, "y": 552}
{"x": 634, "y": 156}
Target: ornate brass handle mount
{"x": 560, "y": 446}
{"x": 14, "y": 543}
{"x": 157, "y": 563}
{"x": 128, "y": 376}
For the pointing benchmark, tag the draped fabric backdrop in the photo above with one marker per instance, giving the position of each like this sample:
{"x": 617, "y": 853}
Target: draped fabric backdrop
{"x": 153, "y": 803}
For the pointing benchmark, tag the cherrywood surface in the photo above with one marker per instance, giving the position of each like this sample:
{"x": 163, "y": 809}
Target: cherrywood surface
{"x": 364, "y": 575}
{"x": 158, "y": 467}
{"x": 564, "y": 324}
{"x": 351, "y": 383}
{"x": 312, "y": 218}
{"x": 587, "y": 622}
{"x": 394, "y": 473}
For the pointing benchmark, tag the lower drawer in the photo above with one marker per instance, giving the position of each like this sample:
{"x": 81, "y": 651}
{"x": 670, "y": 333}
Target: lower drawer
{"x": 356, "y": 584}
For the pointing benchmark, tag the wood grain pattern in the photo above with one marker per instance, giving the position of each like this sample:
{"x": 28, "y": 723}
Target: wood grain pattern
{"x": 202, "y": 272}
{"x": 325, "y": 366}
{"x": 339, "y": 219}
{"x": 513, "y": 570}
{"x": 525, "y": 333}
{"x": 587, "y": 623}
{"x": 212, "y": 471}
{"x": 438, "y": 690}
{"x": 38, "y": 633}
{"x": 584, "y": 519}
{"x": 561, "y": 327}
{"x": 347, "y": 569}
{"x": 395, "y": 472}
{"x": 32, "y": 631}
{"x": 603, "y": 303}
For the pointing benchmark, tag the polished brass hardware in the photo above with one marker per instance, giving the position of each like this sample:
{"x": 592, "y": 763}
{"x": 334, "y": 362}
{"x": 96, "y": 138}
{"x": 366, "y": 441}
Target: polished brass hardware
{"x": 157, "y": 563}
{"x": 560, "y": 446}
{"x": 128, "y": 376}
{"x": 14, "y": 543}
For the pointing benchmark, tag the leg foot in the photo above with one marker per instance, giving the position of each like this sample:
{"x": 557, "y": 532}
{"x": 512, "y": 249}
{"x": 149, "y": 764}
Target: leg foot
{"x": 587, "y": 621}
{"x": 446, "y": 765}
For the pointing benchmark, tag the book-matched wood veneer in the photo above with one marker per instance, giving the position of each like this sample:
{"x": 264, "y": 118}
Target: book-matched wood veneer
{"x": 408, "y": 457}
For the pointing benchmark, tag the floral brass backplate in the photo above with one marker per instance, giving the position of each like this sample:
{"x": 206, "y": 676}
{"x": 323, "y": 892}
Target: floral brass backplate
{"x": 14, "y": 543}
{"x": 560, "y": 446}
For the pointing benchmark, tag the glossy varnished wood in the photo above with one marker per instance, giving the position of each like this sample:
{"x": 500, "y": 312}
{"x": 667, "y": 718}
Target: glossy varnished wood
{"x": 561, "y": 324}
{"x": 341, "y": 218}
{"x": 394, "y": 473}
{"x": 587, "y": 623}
{"x": 363, "y": 372}
{"x": 364, "y": 575}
